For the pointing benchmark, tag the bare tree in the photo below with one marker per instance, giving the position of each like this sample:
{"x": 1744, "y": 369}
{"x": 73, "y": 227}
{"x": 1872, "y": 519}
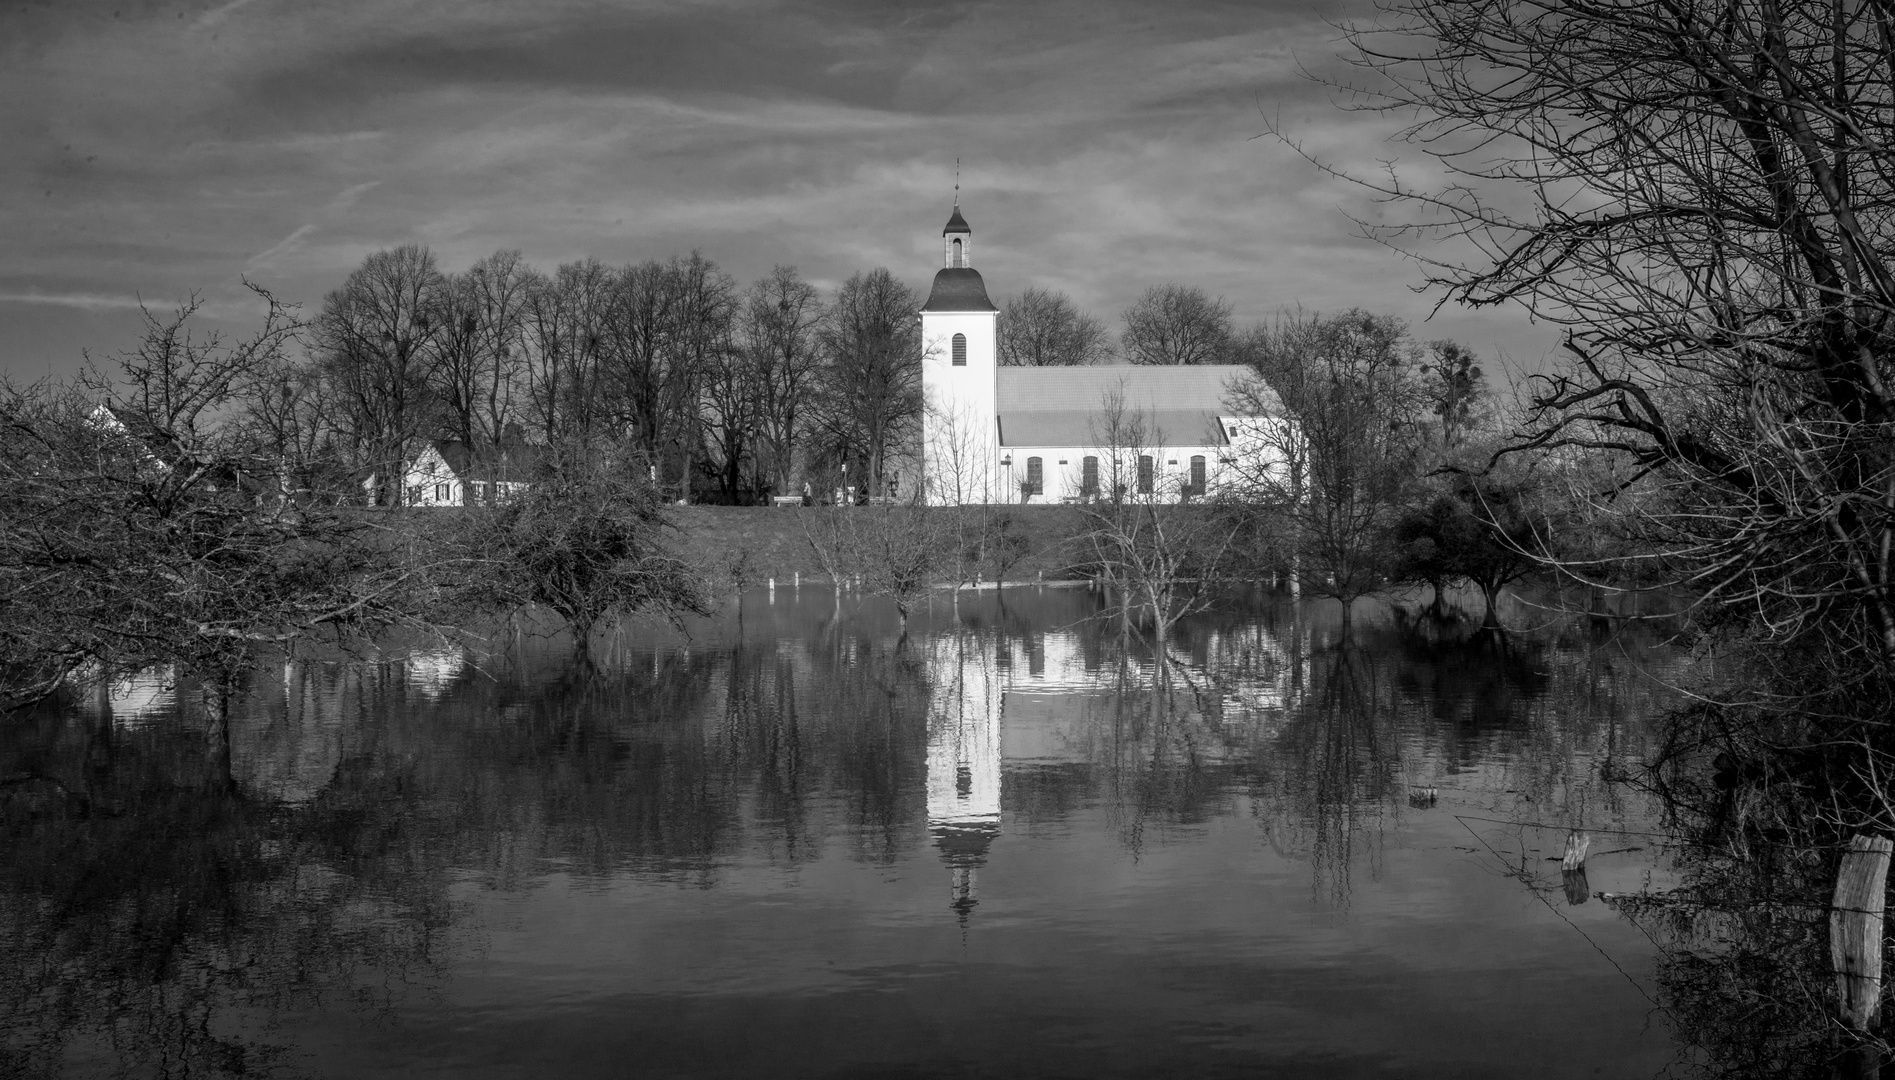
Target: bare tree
{"x": 377, "y": 339}
{"x": 703, "y": 308}
{"x": 1148, "y": 542}
{"x": 781, "y": 330}
{"x": 638, "y": 328}
{"x": 587, "y": 539}
{"x": 1453, "y": 386}
{"x": 479, "y": 376}
{"x": 1042, "y": 328}
{"x": 1342, "y": 468}
{"x": 137, "y": 535}
{"x": 872, "y": 371}
{"x": 564, "y": 319}
{"x": 1708, "y": 205}
{"x": 1177, "y": 324}
{"x": 732, "y": 417}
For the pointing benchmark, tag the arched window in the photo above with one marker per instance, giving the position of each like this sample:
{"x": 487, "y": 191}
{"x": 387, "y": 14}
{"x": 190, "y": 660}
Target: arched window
{"x": 1035, "y": 479}
{"x": 958, "y": 260}
{"x": 1197, "y": 474}
{"x": 1089, "y": 476}
{"x": 1146, "y": 470}
{"x": 960, "y": 348}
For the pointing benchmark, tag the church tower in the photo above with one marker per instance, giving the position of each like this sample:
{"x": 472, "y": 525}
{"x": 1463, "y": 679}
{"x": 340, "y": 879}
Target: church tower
{"x": 959, "y": 373}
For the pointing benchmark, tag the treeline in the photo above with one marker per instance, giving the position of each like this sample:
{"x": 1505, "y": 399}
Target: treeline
{"x": 715, "y": 389}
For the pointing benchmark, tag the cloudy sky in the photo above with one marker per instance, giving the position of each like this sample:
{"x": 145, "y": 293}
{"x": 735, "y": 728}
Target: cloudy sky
{"x": 153, "y": 149}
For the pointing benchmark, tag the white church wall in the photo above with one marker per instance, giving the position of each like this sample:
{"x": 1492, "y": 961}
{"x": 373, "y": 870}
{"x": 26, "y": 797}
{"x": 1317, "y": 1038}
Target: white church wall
{"x": 1062, "y": 469}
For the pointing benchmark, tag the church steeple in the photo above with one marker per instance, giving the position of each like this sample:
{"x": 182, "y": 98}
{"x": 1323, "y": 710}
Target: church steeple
{"x": 957, "y": 241}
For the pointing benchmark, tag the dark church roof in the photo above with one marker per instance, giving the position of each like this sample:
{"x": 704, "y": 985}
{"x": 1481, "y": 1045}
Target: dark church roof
{"x": 958, "y": 289}
{"x": 957, "y": 223}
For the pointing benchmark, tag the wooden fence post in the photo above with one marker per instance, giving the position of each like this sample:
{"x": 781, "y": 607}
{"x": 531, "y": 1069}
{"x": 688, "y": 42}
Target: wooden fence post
{"x": 1855, "y": 928}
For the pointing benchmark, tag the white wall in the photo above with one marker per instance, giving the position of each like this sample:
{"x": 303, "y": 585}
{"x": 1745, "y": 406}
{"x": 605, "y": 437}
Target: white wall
{"x": 1060, "y": 482}
{"x": 959, "y": 436}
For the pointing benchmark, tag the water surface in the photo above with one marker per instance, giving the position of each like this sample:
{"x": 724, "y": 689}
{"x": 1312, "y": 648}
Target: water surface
{"x": 802, "y": 842}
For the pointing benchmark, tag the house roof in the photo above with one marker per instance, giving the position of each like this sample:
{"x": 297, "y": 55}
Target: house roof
{"x": 958, "y": 289}
{"x": 957, "y": 223}
{"x": 1060, "y": 406}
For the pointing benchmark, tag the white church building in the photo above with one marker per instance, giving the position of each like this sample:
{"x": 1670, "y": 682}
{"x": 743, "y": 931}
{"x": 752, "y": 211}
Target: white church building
{"x": 993, "y": 434}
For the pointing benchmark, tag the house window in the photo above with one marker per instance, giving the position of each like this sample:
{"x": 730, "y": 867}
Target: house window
{"x": 1089, "y": 476}
{"x": 1035, "y": 482}
{"x": 443, "y": 493}
{"x": 958, "y": 261}
{"x": 1197, "y": 474}
{"x": 1146, "y": 468}
{"x": 414, "y": 494}
{"x": 480, "y": 491}
{"x": 960, "y": 349}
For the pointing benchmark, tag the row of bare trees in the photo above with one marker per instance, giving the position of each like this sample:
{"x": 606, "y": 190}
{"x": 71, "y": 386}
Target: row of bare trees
{"x": 718, "y": 390}
{"x": 1167, "y": 324}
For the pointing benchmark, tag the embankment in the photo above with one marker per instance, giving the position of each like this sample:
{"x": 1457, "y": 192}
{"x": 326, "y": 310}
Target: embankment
{"x": 774, "y": 542}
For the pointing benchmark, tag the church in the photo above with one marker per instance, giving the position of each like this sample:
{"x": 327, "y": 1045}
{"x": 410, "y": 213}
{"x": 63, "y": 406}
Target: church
{"x": 993, "y": 434}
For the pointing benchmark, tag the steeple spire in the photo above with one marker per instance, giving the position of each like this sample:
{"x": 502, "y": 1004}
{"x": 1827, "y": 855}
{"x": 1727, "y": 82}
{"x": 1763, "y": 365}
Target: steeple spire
{"x": 957, "y": 238}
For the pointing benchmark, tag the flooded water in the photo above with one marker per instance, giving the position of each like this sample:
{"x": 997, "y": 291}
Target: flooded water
{"x": 805, "y": 844}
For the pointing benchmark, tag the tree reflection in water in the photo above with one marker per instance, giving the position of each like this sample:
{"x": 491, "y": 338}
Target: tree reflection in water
{"x": 174, "y": 891}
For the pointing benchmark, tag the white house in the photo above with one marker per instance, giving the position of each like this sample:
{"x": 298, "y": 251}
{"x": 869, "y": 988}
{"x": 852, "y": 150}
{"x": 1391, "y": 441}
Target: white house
{"x": 1061, "y": 434}
{"x": 447, "y": 473}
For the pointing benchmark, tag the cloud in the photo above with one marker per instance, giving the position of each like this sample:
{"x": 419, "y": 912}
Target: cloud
{"x": 220, "y": 13}
{"x": 1106, "y": 147}
{"x": 347, "y": 196}
{"x": 287, "y": 244}
{"x": 88, "y": 301}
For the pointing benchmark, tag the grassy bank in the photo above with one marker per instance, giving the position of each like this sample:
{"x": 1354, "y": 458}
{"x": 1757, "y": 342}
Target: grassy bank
{"x": 768, "y": 541}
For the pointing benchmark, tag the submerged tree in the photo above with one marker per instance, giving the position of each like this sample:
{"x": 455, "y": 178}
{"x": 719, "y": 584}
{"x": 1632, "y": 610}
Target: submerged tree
{"x": 1342, "y": 468}
{"x": 139, "y": 525}
{"x": 587, "y": 540}
{"x": 1142, "y": 534}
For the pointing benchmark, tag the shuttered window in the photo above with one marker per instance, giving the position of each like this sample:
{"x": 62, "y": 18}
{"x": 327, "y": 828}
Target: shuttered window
{"x": 960, "y": 350}
{"x": 1146, "y": 470}
{"x": 1035, "y": 478}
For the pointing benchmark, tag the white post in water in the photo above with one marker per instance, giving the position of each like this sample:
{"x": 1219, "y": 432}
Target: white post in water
{"x": 772, "y": 590}
{"x": 1576, "y": 845}
{"x": 1855, "y": 928}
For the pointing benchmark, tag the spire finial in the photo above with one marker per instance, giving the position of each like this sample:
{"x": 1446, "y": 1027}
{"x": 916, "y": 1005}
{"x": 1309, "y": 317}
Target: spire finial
{"x": 957, "y": 182}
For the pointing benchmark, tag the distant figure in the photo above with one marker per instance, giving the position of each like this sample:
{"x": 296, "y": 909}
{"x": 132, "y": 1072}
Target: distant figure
{"x": 851, "y": 501}
{"x": 894, "y": 486}
{"x": 838, "y": 501}
{"x": 809, "y": 497}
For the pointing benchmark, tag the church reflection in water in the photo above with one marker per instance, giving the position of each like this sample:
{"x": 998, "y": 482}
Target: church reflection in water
{"x": 1055, "y": 713}
{"x": 963, "y": 762}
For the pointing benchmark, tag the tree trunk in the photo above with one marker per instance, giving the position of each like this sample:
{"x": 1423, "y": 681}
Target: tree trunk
{"x": 219, "y": 779}
{"x": 1491, "y": 619}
